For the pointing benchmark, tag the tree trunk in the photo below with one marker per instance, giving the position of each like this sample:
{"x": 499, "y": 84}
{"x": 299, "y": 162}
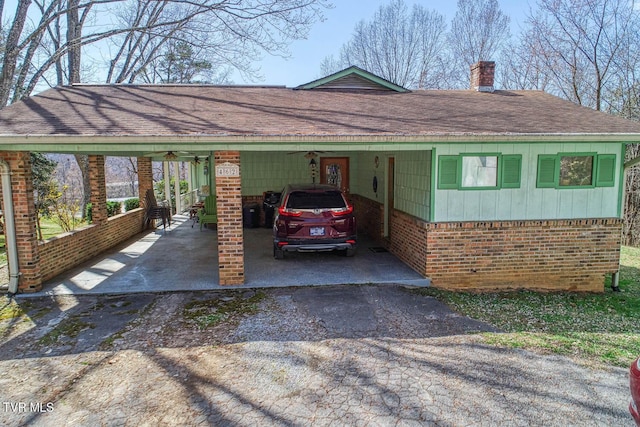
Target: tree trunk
{"x": 12, "y": 52}
{"x": 83, "y": 163}
{"x": 74, "y": 32}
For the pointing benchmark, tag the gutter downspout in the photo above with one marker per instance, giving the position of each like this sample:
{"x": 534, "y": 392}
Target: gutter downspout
{"x": 9, "y": 228}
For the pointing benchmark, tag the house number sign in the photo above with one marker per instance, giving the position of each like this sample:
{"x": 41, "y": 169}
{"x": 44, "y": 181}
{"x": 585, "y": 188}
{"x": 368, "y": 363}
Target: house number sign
{"x": 227, "y": 169}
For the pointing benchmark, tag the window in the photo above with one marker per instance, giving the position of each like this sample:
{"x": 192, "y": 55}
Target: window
{"x": 479, "y": 171}
{"x": 576, "y": 170}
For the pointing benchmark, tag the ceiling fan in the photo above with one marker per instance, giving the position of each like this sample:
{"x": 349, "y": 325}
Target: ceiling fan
{"x": 170, "y": 155}
{"x": 309, "y": 154}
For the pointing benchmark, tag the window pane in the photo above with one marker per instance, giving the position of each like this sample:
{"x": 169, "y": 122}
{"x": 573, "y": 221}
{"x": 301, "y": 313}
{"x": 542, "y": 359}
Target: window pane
{"x": 576, "y": 171}
{"x": 316, "y": 200}
{"x": 481, "y": 171}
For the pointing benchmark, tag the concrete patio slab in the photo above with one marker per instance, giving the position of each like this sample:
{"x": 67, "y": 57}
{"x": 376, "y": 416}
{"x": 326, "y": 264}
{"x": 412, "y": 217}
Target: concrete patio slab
{"x": 183, "y": 258}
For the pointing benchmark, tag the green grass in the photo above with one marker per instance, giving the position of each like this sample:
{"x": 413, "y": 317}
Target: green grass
{"x": 49, "y": 228}
{"x": 595, "y": 328}
{"x": 3, "y": 250}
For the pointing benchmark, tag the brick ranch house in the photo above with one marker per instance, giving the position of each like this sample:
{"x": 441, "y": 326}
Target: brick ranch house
{"x": 476, "y": 188}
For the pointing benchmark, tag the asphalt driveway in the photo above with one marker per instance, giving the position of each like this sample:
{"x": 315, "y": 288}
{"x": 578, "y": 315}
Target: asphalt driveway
{"x": 332, "y": 355}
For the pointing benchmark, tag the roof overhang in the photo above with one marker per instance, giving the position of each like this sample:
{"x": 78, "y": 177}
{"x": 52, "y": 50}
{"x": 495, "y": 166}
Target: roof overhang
{"x": 203, "y": 144}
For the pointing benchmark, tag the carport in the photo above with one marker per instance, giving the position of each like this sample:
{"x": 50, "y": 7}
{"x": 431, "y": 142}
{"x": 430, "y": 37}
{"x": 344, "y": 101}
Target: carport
{"x": 183, "y": 258}
{"x": 241, "y": 142}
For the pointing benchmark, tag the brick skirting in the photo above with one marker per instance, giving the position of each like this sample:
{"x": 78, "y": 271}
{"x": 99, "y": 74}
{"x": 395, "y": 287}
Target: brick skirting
{"x": 68, "y": 250}
{"x": 544, "y": 255}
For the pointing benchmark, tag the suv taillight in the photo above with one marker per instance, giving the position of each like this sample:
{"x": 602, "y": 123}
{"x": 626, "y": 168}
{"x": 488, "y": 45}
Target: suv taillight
{"x": 345, "y": 211}
{"x": 288, "y": 212}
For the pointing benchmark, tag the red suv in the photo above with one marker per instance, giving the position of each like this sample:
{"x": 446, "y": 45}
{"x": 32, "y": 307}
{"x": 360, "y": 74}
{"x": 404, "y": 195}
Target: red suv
{"x": 634, "y": 386}
{"x": 312, "y": 218}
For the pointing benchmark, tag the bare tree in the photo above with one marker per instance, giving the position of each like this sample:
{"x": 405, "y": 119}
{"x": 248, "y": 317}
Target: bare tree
{"x": 521, "y": 68}
{"x": 479, "y": 30}
{"x": 235, "y": 33}
{"x": 581, "y": 44}
{"x": 401, "y": 46}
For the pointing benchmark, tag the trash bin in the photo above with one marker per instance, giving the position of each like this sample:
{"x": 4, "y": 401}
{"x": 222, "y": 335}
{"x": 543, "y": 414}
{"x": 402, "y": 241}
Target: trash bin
{"x": 251, "y": 215}
{"x": 270, "y": 202}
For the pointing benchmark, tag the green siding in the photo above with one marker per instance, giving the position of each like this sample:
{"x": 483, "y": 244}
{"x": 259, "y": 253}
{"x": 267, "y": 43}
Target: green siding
{"x": 272, "y": 171}
{"x": 529, "y": 201}
{"x": 363, "y": 169}
{"x": 413, "y": 183}
{"x": 412, "y": 180}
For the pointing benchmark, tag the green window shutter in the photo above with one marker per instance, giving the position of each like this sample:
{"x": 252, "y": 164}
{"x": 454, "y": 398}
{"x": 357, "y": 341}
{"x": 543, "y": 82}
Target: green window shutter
{"x": 606, "y": 172}
{"x": 511, "y": 166}
{"x": 448, "y": 172}
{"x": 546, "y": 171}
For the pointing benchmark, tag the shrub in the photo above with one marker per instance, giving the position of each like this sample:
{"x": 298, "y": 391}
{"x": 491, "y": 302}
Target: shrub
{"x": 88, "y": 213}
{"x": 131, "y": 204}
{"x": 113, "y": 208}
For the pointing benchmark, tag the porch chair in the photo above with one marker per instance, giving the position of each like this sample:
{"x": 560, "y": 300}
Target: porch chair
{"x": 209, "y": 213}
{"x": 154, "y": 211}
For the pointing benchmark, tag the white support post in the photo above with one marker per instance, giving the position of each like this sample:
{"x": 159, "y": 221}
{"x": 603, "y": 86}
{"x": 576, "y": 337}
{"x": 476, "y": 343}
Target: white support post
{"x": 176, "y": 186}
{"x": 167, "y": 184}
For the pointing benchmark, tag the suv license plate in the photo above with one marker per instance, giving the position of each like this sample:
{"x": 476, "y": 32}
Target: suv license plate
{"x": 317, "y": 231}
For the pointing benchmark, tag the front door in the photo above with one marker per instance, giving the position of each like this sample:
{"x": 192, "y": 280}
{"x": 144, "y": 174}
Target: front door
{"x": 335, "y": 171}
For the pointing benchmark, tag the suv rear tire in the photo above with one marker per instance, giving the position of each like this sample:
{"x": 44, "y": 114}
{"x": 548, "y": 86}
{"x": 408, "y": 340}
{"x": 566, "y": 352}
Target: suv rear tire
{"x": 348, "y": 252}
{"x": 278, "y": 253}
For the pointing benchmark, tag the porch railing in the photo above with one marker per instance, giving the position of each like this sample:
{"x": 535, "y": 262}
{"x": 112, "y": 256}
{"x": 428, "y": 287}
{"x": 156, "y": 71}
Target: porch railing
{"x": 188, "y": 199}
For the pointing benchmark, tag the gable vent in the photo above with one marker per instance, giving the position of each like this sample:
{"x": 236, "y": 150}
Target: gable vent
{"x": 351, "y": 82}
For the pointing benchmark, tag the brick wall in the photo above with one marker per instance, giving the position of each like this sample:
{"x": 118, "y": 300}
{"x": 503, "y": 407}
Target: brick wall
{"x": 68, "y": 250}
{"x": 544, "y": 255}
{"x": 369, "y": 217}
{"x": 230, "y": 234}
{"x": 98, "y": 187}
{"x": 408, "y": 240}
{"x": 145, "y": 177}
{"x": 25, "y": 220}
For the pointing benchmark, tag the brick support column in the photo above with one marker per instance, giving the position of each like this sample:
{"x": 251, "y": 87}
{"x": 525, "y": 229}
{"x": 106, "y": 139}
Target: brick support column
{"x": 145, "y": 177}
{"x": 25, "y": 220}
{"x": 98, "y": 189}
{"x": 230, "y": 236}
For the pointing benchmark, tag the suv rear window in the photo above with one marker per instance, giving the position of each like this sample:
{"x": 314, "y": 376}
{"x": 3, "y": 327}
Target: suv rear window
{"x": 315, "y": 200}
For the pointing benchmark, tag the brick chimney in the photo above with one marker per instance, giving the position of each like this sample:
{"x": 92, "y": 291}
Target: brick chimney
{"x": 482, "y": 76}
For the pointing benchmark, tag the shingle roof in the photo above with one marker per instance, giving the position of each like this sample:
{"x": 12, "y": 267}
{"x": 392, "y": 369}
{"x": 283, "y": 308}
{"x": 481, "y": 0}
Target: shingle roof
{"x": 127, "y": 110}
